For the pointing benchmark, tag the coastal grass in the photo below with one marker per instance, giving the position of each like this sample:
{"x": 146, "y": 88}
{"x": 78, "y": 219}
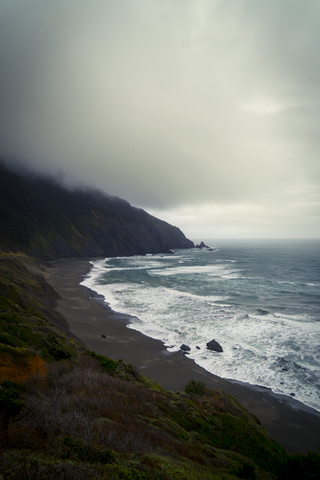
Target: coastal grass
{"x": 27, "y": 316}
{"x": 84, "y": 416}
{"x": 83, "y": 420}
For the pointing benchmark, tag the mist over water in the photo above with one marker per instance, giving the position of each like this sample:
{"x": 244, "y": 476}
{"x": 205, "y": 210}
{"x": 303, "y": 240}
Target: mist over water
{"x": 259, "y": 299}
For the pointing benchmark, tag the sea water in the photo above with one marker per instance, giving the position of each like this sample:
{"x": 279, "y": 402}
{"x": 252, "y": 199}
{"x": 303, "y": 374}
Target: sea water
{"x": 259, "y": 299}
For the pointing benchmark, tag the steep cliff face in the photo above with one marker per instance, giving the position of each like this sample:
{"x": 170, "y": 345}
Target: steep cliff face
{"x": 40, "y": 217}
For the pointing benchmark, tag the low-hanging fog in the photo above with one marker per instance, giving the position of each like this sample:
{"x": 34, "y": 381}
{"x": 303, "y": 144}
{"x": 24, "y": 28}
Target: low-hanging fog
{"x": 203, "y": 112}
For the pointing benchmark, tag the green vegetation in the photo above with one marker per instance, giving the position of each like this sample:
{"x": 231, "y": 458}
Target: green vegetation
{"x": 27, "y": 317}
{"x": 10, "y": 403}
{"x": 105, "y": 362}
{"x": 85, "y": 415}
{"x": 199, "y": 388}
{"x": 303, "y": 467}
{"x": 86, "y": 421}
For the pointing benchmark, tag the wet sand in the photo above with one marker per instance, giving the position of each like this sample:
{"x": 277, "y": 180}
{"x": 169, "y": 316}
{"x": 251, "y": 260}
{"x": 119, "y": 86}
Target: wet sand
{"x": 295, "y": 426}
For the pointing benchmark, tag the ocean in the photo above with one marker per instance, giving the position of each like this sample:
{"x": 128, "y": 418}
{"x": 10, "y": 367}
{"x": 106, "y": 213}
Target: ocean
{"x": 259, "y": 299}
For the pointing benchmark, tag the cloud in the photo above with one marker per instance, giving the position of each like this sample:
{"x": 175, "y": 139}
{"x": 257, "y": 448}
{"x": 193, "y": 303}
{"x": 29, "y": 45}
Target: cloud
{"x": 169, "y": 104}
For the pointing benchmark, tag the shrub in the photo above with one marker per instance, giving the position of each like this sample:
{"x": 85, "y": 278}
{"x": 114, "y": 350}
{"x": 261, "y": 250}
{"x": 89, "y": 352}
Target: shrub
{"x": 34, "y": 467}
{"x": 10, "y": 402}
{"x": 87, "y": 453}
{"x": 302, "y": 467}
{"x": 246, "y": 471}
{"x": 199, "y": 388}
{"x": 105, "y": 362}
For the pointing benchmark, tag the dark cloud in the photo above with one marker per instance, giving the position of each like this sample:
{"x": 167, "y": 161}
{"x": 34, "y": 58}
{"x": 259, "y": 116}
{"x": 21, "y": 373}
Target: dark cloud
{"x": 210, "y": 107}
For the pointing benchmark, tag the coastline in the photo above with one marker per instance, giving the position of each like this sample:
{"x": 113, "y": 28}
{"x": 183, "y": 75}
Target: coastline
{"x": 295, "y": 426}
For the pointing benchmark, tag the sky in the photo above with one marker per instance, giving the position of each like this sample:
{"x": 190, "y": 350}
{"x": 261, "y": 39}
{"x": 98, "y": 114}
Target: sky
{"x": 206, "y": 113}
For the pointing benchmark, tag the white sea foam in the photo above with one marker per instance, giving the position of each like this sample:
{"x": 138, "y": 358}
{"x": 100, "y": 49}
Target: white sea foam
{"x": 210, "y": 270}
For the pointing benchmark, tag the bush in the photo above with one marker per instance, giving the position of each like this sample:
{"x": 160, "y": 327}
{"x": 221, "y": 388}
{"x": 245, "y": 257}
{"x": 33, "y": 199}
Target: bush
{"x": 34, "y": 467}
{"x": 87, "y": 453}
{"x": 246, "y": 471}
{"x": 105, "y": 362}
{"x": 303, "y": 467}
{"x": 199, "y": 388}
{"x": 10, "y": 402}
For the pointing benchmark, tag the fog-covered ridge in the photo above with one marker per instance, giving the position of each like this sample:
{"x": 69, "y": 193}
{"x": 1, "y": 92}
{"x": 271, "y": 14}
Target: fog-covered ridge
{"x": 41, "y": 217}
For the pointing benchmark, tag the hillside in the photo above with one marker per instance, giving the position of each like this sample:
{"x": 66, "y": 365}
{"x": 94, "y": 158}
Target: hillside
{"x": 40, "y": 217}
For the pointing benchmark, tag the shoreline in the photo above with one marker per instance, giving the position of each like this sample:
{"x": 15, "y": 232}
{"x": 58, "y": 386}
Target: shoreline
{"x": 294, "y": 425}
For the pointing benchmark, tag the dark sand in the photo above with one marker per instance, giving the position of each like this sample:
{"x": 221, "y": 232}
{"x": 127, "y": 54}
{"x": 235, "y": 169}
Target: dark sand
{"x": 292, "y": 424}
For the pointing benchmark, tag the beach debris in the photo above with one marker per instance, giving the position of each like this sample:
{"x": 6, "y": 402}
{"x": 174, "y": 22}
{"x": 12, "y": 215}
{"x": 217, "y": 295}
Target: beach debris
{"x": 215, "y": 346}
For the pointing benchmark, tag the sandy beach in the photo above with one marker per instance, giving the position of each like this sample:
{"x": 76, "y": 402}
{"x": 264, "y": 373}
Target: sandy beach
{"x": 292, "y": 424}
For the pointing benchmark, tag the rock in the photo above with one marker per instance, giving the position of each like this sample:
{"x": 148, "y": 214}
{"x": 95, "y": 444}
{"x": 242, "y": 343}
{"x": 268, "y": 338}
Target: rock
{"x": 198, "y": 348}
{"x": 185, "y": 348}
{"x": 202, "y": 245}
{"x": 215, "y": 346}
{"x": 103, "y": 335}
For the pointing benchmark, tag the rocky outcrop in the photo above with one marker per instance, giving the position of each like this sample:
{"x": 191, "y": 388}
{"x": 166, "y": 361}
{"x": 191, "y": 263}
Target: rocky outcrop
{"x": 203, "y": 245}
{"x": 185, "y": 348}
{"x": 215, "y": 346}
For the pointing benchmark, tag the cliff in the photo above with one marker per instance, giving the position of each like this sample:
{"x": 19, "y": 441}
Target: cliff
{"x": 40, "y": 217}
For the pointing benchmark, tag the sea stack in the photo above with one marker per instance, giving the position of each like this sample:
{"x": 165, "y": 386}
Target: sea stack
{"x": 215, "y": 346}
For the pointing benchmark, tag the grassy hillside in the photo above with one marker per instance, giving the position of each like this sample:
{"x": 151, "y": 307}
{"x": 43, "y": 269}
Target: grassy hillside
{"x": 41, "y": 218}
{"x": 31, "y": 331}
{"x": 95, "y": 418}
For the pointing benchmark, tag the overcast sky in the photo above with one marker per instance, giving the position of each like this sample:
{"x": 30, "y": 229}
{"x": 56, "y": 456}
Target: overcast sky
{"x": 204, "y": 112}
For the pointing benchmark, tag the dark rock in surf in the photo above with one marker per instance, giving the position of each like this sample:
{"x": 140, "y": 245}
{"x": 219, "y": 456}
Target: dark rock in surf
{"x": 185, "y": 348}
{"x": 215, "y": 346}
{"x": 202, "y": 245}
